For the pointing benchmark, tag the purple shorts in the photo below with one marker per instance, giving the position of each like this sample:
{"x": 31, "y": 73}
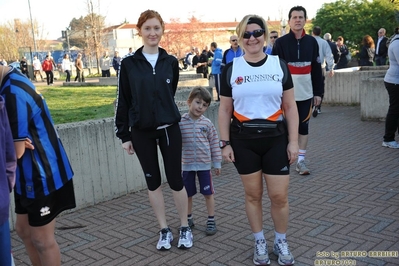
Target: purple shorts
{"x": 204, "y": 179}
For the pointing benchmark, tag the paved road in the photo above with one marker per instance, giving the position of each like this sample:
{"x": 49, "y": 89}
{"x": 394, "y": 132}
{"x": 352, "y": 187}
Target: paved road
{"x": 350, "y": 202}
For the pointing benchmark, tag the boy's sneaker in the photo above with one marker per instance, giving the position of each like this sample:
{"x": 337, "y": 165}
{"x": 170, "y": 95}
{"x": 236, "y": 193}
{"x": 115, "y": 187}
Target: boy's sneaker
{"x": 301, "y": 168}
{"x": 191, "y": 222}
{"x": 210, "y": 228}
{"x": 283, "y": 252}
{"x": 319, "y": 110}
{"x": 185, "y": 238}
{"x": 390, "y": 144}
{"x": 165, "y": 238}
{"x": 261, "y": 254}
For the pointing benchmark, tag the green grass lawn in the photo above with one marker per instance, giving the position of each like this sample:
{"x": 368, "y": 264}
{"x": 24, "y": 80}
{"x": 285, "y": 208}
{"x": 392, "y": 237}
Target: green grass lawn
{"x": 74, "y": 104}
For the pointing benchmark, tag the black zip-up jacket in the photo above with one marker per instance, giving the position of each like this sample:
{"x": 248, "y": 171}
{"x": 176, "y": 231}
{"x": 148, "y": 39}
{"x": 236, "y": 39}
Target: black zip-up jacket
{"x": 302, "y": 56}
{"x": 146, "y": 94}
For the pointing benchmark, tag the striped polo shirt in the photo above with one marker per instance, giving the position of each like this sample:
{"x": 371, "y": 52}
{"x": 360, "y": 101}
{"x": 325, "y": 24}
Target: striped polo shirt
{"x": 46, "y": 168}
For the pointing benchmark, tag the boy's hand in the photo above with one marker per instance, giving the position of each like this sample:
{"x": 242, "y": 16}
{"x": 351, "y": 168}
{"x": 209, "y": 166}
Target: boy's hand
{"x": 28, "y": 144}
{"x": 217, "y": 171}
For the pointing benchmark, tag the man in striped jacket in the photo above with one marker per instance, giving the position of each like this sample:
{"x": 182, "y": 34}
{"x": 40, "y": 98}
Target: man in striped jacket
{"x": 301, "y": 52}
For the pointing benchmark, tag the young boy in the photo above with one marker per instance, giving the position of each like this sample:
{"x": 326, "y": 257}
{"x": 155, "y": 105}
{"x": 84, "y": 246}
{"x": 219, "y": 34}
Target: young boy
{"x": 43, "y": 186}
{"x": 200, "y": 151}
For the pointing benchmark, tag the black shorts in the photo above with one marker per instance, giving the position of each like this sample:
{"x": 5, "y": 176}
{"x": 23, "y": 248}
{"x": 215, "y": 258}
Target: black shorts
{"x": 43, "y": 210}
{"x": 304, "y": 112}
{"x": 268, "y": 154}
{"x": 169, "y": 141}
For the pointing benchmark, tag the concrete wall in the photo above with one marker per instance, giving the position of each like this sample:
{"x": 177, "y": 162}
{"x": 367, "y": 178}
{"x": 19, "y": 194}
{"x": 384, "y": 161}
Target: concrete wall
{"x": 373, "y": 98}
{"x": 185, "y": 80}
{"x": 103, "y": 170}
{"x": 364, "y": 86}
{"x": 344, "y": 87}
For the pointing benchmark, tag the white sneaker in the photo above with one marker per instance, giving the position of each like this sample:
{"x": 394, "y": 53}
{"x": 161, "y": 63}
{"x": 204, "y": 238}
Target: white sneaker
{"x": 301, "y": 168}
{"x": 165, "y": 238}
{"x": 390, "y": 144}
{"x": 185, "y": 238}
{"x": 261, "y": 253}
{"x": 283, "y": 252}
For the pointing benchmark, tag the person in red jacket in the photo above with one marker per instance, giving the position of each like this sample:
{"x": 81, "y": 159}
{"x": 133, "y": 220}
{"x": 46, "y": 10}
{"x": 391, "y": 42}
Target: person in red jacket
{"x": 47, "y": 67}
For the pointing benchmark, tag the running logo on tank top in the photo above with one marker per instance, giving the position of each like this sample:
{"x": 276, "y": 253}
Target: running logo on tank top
{"x": 258, "y": 78}
{"x": 257, "y": 91}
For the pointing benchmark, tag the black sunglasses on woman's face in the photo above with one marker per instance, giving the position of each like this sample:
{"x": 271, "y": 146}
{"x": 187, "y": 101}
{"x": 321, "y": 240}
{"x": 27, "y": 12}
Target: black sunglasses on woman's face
{"x": 255, "y": 33}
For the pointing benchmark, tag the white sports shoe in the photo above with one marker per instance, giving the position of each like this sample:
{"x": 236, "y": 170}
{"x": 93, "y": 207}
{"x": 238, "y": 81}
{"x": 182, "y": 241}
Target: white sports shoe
{"x": 165, "y": 238}
{"x": 390, "y": 144}
{"x": 185, "y": 238}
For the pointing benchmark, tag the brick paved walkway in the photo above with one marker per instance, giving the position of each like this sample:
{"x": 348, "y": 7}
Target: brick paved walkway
{"x": 350, "y": 202}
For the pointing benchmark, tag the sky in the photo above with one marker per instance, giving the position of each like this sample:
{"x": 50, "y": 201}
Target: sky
{"x": 53, "y": 16}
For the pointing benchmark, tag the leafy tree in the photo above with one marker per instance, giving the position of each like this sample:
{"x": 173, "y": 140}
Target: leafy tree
{"x": 180, "y": 37}
{"x": 86, "y": 33}
{"x": 77, "y": 28}
{"x": 353, "y": 19}
{"x": 16, "y": 38}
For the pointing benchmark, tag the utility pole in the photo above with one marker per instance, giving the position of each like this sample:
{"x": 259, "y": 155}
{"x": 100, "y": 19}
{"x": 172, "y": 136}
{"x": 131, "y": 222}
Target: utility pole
{"x": 67, "y": 39}
{"x": 65, "y": 35}
{"x": 33, "y": 30}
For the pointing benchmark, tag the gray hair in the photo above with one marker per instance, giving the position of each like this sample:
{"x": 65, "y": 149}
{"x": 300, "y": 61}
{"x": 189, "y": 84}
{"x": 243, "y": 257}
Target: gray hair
{"x": 327, "y": 37}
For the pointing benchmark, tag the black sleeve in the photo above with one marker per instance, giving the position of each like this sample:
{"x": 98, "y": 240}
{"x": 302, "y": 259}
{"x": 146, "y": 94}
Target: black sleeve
{"x": 176, "y": 74}
{"x": 123, "y": 104}
{"x": 225, "y": 86}
{"x": 195, "y": 60}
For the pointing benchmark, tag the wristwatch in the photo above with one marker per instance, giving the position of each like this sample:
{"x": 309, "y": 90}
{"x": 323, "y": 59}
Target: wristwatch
{"x": 223, "y": 143}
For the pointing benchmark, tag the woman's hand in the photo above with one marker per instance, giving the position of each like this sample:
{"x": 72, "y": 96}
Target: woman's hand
{"x": 128, "y": 147}
{"x": 292, "y": 151}
{"x": 228, "y": 154}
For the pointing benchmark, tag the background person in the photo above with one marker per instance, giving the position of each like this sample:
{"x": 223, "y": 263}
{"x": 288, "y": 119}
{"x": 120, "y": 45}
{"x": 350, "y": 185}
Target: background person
{"x": 334, "y": 48}
{"x": 273, "y": 37}
{"x": 8, "y": 165}
{"x": 216, "y": 63}
{"x": 37, "y": 67}
{"x": 343, "y": 52}
{"x": 301, "y": 52}
{"x": 147, "y": 117}
{"x": 47, "y": 67}
{"x": 66, "y": 67}
{"x": 391, "y": 81}
{"x": 116, "y": 61}
{"x": 44, "y": 186}
{"x": 367, "y": 53}
{"x": 254, "y": 135}
{"x": 381, "y": 49}
{"x": 200, "y": 62}
{"x": 327, "y": 62}
{"x": 105, "y": 64}
{"x": 79, "y": 69}
{"x": 24, "y": 67}
{"x": 234, "y": 51}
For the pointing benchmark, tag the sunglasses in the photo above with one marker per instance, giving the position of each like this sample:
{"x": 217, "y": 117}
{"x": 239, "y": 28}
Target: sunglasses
{"x": 273, "y": 37}
{"x": 255, "y": 33}
{"x": 233, "y": 40}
